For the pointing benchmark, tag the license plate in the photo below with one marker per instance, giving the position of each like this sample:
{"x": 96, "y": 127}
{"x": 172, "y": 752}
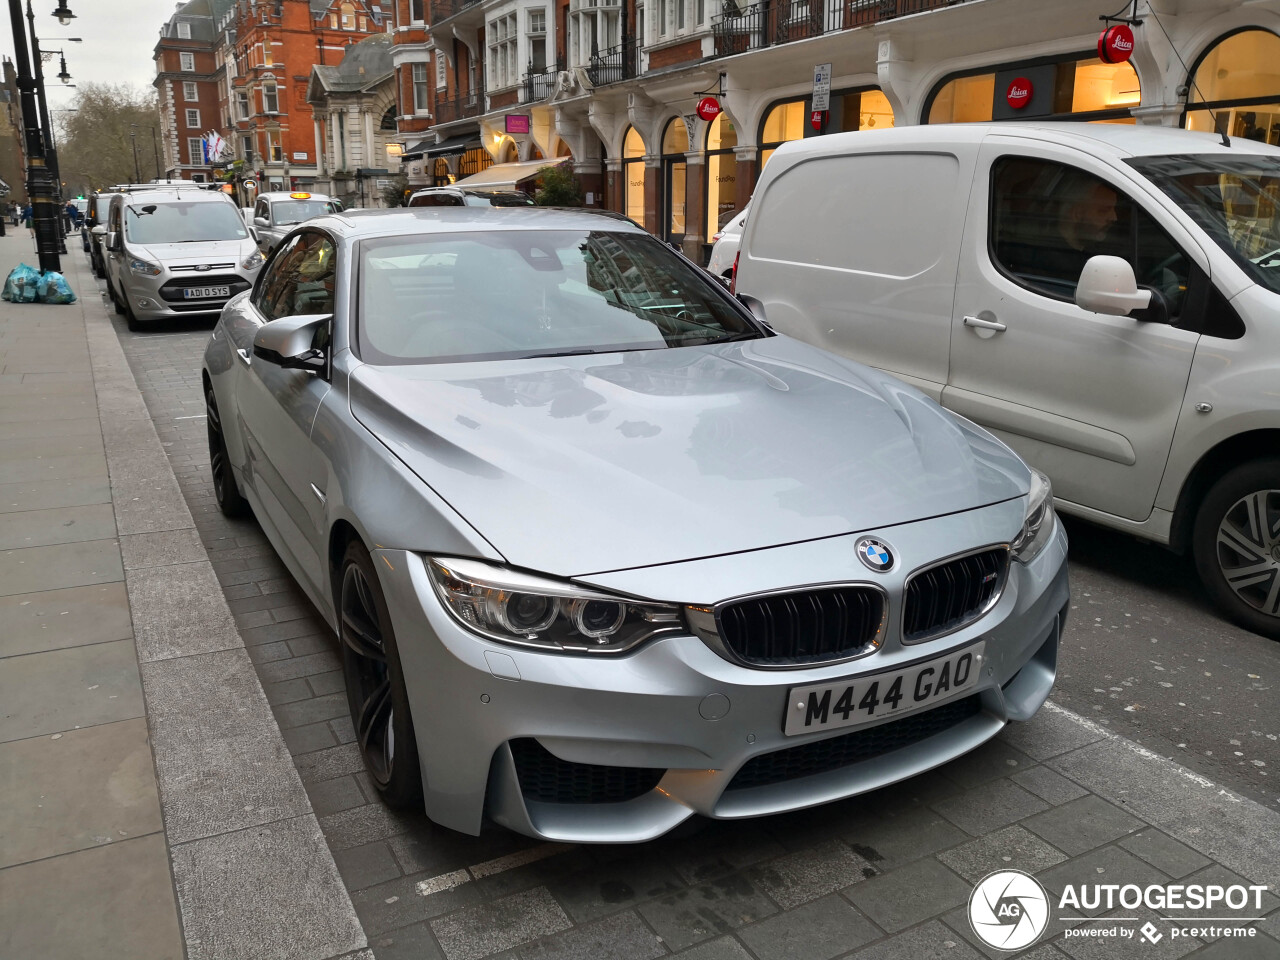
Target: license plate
{"x": 200, "y": 293}
{"x": 847, "y": 703}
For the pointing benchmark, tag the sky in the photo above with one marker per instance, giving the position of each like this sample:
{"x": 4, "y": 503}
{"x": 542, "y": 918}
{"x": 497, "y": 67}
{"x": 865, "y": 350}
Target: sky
{"x": 119, "y": 38}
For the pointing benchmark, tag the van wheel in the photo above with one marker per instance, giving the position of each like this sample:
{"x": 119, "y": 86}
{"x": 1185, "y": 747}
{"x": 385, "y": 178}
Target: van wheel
{"x": 1236, "y": 543}
{"x": 116, "y": 302}
{"x": 375, "y": 682}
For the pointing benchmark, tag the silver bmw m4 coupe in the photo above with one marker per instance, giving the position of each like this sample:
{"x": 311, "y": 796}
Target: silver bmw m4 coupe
{"x": 602, "y": 550}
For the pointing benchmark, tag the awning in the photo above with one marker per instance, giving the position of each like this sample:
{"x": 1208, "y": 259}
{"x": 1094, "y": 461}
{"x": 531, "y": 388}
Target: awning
{"x": 508, "y": 174}
{"x": 447, "y": 148}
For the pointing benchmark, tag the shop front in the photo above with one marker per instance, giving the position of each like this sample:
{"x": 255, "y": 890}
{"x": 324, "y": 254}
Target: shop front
{"x": 1237, "y": 81}
{"x": 860, "y": 109}
{"x": 675, "y": 144}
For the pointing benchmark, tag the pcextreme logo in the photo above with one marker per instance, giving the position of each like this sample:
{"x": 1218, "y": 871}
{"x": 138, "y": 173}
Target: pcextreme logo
{"x": 1009, "y": 910}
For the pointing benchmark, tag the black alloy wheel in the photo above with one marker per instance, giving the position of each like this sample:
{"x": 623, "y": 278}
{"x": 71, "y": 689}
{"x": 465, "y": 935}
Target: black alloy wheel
{"x": 225, "y": 491}
{"x": 375, "y": 683}
{"x": 1236, "y": 543}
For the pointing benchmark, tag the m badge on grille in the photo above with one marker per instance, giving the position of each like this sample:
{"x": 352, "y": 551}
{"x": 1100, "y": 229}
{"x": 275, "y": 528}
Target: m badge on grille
{"x": 875, "y": 554}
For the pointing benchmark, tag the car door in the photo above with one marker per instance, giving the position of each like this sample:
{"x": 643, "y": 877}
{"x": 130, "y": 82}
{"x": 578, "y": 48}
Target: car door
{"x": 277, "y": 406}
{"x": 1090, "y": 399}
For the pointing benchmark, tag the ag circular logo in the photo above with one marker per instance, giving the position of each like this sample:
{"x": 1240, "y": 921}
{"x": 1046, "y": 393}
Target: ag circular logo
{"x": 875, "y": 554}
{"x": 1008, "y": 910}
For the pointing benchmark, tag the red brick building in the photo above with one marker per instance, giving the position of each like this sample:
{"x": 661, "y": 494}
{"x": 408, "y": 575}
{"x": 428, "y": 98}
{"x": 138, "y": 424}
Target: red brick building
{"x": 187, "y": 87}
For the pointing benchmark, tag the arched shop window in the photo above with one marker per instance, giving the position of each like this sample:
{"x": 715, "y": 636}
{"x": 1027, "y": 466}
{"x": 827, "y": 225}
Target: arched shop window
{"x": 675, "y": 144}
{"x": 633, "y": 175}
{"x": 722, "y": 179}
{"x": 440, "y": 173}
{"x": 1238, "y": 78}
{"x": 867, "y": 109}
{"x": 1079, "y": 87}
{"x": 473, "y": 161}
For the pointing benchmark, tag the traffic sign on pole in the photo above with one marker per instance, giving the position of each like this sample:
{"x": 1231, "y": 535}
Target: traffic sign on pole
{"x": 822, "y": 87}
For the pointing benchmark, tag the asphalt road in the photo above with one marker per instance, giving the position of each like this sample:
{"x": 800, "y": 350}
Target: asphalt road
{"x": 1146, "y": 655}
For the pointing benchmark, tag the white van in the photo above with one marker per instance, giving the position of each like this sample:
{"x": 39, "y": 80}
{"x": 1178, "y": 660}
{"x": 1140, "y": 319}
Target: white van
{"x": 1104, "y": 298}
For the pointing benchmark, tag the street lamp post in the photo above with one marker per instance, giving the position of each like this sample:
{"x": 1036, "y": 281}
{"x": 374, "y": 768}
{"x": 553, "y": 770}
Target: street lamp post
{"x": 46, "y": 129}
{"x": 40, "y": 178}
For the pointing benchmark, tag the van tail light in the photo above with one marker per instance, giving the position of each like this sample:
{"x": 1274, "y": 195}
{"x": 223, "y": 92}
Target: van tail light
{"x": 717, "y": 236}
{"x": 733, "y": 274}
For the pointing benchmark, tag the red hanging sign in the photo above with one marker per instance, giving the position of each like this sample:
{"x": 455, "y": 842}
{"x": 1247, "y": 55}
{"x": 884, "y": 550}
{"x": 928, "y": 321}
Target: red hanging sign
{"x": 1019, "y": 93}
{"x": 708, "y": 108}
{"x": 1115, "y": 44}
{"x": 817, "y": 118}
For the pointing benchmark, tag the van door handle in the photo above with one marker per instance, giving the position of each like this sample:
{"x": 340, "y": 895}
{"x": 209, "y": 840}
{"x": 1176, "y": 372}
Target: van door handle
{"x": 244, "y": 354}
{"x": 981, "y": 324}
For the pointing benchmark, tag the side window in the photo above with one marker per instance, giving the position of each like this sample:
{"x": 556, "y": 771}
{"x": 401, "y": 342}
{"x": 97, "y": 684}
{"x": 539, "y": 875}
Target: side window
{"x": 260, "y": 209}
{"x": 1048, "y": 219}
{"x": 277, "y": 275}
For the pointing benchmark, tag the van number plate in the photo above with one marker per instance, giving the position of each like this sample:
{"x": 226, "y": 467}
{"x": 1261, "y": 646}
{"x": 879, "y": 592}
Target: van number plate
{"x": 848, "y": 703}
{"x": 201, "y": 293}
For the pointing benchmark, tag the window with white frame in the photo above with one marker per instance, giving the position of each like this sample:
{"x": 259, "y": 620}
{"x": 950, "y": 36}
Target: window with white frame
{"x": 274, "y": 153}
{"x": 195, "y": 151}
{"x": 347, "y": 16}
{"x": 189, "y": 91}
{"x": 266, "y": 52}
{"x": 193, "y": 119}
{"x": 270, "y": 98}
{"x": 442, "y": 77}
{"x": 417, "y": 11}
{"x": 537, "y": 30}
{"x": 364, "y": 24}
{"x": 502, "y": 65}
{"x": 187, "y": 62}
{"x": 242, "y": 104}
{"x": 596, "y": 29}
{"x": 246, "y": 148}
{"x": 184, "y": 30}
{"x": 420, "y": 104}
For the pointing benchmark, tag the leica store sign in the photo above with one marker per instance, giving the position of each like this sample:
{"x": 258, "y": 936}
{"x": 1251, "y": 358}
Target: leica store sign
{"x": 1115, "y": 45}
{"x": 1019, "y": 93}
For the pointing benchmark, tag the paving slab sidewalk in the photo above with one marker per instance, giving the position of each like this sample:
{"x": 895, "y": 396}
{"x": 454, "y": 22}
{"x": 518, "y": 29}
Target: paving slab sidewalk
{"x": 149, "y": 809}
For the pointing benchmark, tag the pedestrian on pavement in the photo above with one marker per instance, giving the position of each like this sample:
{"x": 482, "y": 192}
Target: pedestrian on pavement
{"x": 26, "y": 216}
{"x": 69, "y": 214}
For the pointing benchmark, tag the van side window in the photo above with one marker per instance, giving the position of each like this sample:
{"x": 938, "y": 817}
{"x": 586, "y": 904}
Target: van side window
{"x": 1047, "y": 219}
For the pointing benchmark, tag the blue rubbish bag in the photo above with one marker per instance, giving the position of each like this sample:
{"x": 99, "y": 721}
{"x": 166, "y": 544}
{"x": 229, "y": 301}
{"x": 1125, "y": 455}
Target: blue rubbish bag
{"x": 22, "y": 284}
{"x": 53, "y": 288}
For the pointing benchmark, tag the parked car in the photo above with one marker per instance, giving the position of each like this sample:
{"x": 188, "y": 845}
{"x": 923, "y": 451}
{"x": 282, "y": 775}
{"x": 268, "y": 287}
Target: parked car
{"x": 724, "y": 249}
{"x": 612, "y": 553}
{"x": 468, "y": 197}
{"x": 174, "y": 252}
{"x": 276, "y": 213}
{"x": 1102, "y": 297}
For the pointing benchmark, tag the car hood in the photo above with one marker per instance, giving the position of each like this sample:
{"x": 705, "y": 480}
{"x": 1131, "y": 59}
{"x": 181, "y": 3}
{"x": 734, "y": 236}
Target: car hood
{"x": 195, "y": 252}
{"x": 579, "y": 465}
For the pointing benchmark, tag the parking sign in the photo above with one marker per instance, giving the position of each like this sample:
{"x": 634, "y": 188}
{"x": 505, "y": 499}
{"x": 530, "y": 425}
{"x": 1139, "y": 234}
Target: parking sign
{"x": 822, "y": 87}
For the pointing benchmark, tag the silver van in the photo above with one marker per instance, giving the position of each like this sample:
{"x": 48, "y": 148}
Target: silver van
{"x": 173, "y": 252}
{"x": 1104, "y": 298}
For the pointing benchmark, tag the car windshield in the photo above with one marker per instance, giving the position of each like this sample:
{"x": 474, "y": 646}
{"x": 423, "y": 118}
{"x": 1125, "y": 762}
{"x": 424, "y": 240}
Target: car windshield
{"x": 1235, "y": 199}
{"x": 284, "y": 212}
{"x": 178, "y": 222}
{"x": 520, "y": 294}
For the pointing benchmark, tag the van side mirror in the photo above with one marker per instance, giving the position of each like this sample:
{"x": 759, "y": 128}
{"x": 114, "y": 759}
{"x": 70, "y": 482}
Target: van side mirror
{"x": 98, "y": 230}
{"x": 113, "y": 241}
{"x": 1107, "y": 285}
{"x": 261, "y": 222}
{"x": 755, "y": 306}
{"x": 290, "y": 342}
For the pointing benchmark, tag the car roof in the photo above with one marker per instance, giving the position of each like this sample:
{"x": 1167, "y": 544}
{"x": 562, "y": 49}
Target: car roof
{"x": 172, "y": 195}
{"x": 1107, "y": 139}
{"x": 289, "y": 195}
{"x": 399, "y": 221}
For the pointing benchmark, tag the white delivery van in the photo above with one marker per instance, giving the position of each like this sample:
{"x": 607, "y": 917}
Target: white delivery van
{"x": 1103, "y": 298}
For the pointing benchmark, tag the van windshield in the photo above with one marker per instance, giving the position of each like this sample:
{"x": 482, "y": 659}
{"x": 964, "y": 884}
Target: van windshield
{"x": 178, "y": 222}
{"x": 1235, "y": 199}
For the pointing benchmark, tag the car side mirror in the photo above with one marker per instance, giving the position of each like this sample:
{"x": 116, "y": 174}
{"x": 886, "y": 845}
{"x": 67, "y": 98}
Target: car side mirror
{"x": 290, "y": 342}
{"x": 98, "y": 230}
{"x": 261, "y": 222}
{"x": 1107, "y": 285}
{"x": 114, "y": 243}
{"x": 755, "y": 306}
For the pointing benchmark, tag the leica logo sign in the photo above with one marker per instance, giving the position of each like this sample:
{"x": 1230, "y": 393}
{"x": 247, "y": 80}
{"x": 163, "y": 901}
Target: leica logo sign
{"x": 1019, "y": 93}
{"x": 1115, "y": 45}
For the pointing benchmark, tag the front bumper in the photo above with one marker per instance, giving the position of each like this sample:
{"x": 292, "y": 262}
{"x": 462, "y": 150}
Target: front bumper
{"x": 648, "y": 711}
{"x": 160, "y": 298}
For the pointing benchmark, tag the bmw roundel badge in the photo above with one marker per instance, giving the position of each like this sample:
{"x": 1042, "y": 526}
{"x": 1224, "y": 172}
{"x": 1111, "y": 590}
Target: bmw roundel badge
{"x": 874, "y": 554}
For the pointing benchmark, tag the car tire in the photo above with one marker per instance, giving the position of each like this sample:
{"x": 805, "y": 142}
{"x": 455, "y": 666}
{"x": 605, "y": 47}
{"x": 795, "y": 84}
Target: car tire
{"x": 225, "y": 492}
{"x": 1237, "y": 553}
{"x": 116, "y": 302}
{"x": 131, "y": 320}
{"x": 375, "y": 682}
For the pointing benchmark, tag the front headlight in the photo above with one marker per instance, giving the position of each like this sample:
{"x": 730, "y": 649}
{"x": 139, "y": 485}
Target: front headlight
{"x": 1038, "y": 526}
{"x": 532, "y": 611}
{"x": 144, "y": 268}
{"x": 253, "y": 261}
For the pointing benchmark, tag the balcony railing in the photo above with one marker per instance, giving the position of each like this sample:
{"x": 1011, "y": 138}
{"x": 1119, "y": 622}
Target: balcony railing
{"x": 539, "y": 86}
{"x": 771, "y": 22}
{"x": 617, "y": 63}
{"x": 460, "y": 107}
{"x": 443, "y": 9}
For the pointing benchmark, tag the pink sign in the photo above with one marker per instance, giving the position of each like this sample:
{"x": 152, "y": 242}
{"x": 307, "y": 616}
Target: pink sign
{"x": 517, "y": 123}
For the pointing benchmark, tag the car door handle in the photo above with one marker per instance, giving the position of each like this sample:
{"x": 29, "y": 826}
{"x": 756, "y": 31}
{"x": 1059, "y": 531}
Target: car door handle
{"x": 244, "y": 354}
{"x": 981, "y": 324}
